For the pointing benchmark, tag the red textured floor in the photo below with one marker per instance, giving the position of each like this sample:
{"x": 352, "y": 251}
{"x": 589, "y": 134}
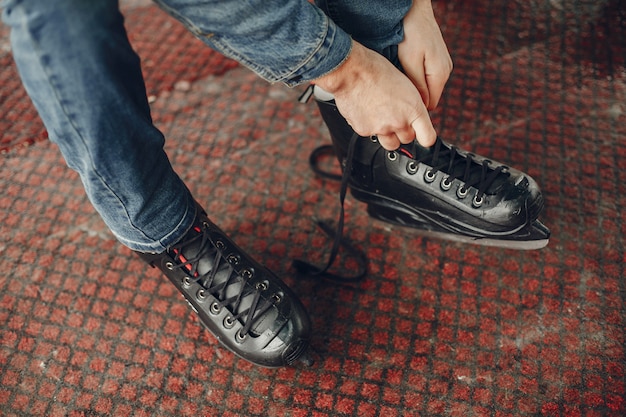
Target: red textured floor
{"x": 435, "y": 329}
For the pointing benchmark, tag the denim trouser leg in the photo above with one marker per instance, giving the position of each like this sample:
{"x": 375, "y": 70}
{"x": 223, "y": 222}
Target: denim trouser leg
{"x": 85, "y": 81}
{"x": 291, "y": 41}
{"x": 377, "y": 24}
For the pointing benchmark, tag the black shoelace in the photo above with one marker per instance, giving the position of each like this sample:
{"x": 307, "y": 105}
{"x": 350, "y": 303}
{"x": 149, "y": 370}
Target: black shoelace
{"x": 456, "y": 165}
{"x": 337, "y": 234}
{"x": 223, "y": 265}
{"x": 440, "y": 158}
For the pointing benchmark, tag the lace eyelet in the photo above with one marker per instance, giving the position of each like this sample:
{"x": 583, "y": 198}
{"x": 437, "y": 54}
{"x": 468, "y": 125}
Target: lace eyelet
{"x": 261, "y": 286}
{"x": 220, "y": 245}
{"x": 169, "y": 265}
{"x": 477, "y": 201}
{"x": 215, "y": 308}
{"x": 246, "y": 273}
{"x": 240, "y": 338}
{"x": 429, "y": 175}
{"x": 229, "y": 323}
{"x": 201, "y": 295}
{"x": 392, "y": 155}
{"x": 277, "y": 298}
{"x": 446, "y": 184}
{"x": 411, "y": 167}
{"x": 374, "y": 138}
{"x": 232, "y": 259}
{"x": 186, "y": 281}
{"x": 461, "y": 192}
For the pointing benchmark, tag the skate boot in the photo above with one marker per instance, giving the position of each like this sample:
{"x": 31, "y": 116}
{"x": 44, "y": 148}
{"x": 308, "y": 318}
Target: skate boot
{"x": 441, "y": 191}
{"x": 246, "y": 307}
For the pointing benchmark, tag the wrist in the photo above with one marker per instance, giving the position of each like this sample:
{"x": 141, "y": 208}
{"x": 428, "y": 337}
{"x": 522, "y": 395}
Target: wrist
{"x": 337, "y": 79}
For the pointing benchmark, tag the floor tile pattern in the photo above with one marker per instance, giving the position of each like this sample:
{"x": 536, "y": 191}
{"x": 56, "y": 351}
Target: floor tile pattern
{"x": 435, "y": 329}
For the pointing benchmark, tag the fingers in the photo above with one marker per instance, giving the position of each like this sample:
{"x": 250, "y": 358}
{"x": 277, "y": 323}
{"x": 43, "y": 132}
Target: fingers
{"x": 424, "y": 131}
{"x": 393, "y": 141}
{"x": 389, "y": 142}
{"x": 430, "y": 80}
{"x": 423, "y": 53}
{"x": 421, "y": 129}
{"x": 435, "y": 80}
{"x": 417, "y": 75}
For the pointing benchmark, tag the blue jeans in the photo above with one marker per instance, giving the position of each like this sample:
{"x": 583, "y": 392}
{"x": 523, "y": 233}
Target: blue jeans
{"x": 85, "y": 80}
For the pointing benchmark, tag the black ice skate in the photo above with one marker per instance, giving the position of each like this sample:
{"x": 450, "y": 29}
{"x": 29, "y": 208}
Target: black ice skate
{"x": 442, "y": 191}
{"x": 246, "y": 307}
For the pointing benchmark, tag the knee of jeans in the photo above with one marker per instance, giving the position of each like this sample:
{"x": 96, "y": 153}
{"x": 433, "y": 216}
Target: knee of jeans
{"x": 373, "y": 23}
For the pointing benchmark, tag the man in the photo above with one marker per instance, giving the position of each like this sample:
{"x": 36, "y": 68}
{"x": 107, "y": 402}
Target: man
{"x": 377, "y": 68}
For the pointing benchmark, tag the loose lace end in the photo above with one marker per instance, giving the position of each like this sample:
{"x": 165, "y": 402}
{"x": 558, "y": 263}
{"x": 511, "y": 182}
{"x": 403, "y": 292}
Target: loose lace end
{"x": 337, "y": 235}
{"x": 307, "y": 268}
{"x": 315, "y": 157}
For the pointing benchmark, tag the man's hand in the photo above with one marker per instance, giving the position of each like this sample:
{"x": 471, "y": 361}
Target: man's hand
{"x": 423, "y": 53}
{"x": 377, "y": 99}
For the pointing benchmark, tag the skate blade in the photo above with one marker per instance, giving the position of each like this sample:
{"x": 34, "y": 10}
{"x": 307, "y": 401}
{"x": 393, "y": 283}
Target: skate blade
{"x": 530, "y": 237}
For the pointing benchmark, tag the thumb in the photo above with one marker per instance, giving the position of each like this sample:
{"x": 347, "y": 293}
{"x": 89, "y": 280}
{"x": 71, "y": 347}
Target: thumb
{"x": 424, "y": 131}
{"x": 417, "y": 75}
